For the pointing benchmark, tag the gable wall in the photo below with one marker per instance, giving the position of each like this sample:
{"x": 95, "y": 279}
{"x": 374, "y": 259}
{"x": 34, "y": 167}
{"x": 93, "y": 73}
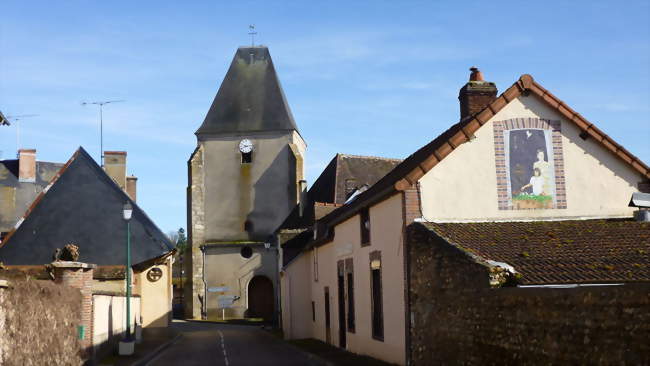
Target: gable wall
{"x": 463, "y": 186}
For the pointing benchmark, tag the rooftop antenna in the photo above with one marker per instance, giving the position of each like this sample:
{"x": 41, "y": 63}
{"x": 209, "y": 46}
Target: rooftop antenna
{"x": 101, "y": 124}
{"x": 252, "y": 33}
{"x": 16, "y": 119}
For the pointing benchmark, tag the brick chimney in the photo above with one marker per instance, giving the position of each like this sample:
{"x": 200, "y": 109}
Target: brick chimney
{"x": 476, "y": 94}
{"x": 131, "y": 186}
{"x": 27, "y": 165}
{"x": 115, "y": 167}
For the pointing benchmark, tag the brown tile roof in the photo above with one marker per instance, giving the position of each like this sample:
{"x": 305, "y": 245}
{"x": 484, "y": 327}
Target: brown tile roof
{"x": 558, "y": 252}
{"x": 341, "y": 177}
{"x": 411, "y": 169}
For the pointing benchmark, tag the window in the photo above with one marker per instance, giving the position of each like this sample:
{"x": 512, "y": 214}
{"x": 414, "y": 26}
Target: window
{"x": 376, "y": 296}
{"x": 248, "y": 226}
{"x": 365, "y": 227}
{"x": 246, "y": 157}
{"x": 349, "y": 274}
{"x": 315, "y": 253}
{"x": 246, "y": 252}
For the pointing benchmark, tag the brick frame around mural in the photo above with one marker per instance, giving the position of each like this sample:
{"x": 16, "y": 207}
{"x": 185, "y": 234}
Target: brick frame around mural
{"x": 500, "y": 157}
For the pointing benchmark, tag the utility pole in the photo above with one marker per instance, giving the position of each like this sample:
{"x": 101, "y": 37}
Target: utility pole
{"x": 101, "y": 125}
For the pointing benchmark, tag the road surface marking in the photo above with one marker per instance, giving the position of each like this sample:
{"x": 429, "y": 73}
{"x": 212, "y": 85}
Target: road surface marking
{"x": 223, "y": 347}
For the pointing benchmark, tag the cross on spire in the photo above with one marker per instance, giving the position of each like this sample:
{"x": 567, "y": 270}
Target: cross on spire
{"x": 252, "y": 33}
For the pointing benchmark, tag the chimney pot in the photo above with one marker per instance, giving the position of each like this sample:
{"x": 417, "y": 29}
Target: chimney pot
{"x": 476, "y": 74}
{"x": 27, "y": 165}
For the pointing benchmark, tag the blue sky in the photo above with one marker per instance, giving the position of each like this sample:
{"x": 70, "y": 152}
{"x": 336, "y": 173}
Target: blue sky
{"x": 368, "y": 78}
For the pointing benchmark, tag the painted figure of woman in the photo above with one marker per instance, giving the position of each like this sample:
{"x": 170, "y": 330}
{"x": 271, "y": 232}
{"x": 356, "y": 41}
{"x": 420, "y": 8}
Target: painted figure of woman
{"x": 544, "y": 169}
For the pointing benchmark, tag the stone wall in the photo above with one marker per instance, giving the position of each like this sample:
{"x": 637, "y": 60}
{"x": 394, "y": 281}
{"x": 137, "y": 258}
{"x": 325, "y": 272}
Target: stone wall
{"x": 39, "y": 322}
{"x": 456, "y": 317}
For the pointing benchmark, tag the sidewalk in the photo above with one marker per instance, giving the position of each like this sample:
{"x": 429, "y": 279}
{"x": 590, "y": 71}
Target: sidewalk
{"x": 334, "y": 355}
{"x": 152, "y": 341}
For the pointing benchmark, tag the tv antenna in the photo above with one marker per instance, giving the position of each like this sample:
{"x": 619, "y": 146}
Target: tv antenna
{"x": 101, "y": 124}
{"x": 17, "y": 118}
{"x": 252, "y": 33}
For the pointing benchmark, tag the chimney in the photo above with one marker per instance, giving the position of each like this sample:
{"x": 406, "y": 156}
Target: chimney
{"x": 115, "y": 166}
{"x": 476, "y": 94}
{"x": 27, "y": 165}
{"x": 131, "y": 186}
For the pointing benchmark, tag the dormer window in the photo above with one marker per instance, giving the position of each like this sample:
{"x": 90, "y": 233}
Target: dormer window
{"x": 246, "y": 149}
{"x": 365, "y": 227}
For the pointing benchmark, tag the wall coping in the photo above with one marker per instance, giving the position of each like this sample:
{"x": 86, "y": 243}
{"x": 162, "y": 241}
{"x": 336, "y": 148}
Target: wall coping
{"x": 68, "y": 264}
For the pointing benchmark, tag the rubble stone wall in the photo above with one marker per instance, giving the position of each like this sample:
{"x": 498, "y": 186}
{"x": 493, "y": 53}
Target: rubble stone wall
{"x": 38, "y": 322}
{"x": 457, "y": 318}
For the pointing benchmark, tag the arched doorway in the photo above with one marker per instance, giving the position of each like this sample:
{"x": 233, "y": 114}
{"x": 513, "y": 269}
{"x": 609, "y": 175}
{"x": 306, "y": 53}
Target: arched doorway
{"x": 261, "y": 301}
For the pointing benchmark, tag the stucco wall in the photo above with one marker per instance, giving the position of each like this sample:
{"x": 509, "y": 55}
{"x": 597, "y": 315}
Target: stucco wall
{"x": 386, "y": 237}
{"x": 297, "y": 321}
{"x": 463, "y": 186}
{"x": 156, "y": 297}
{"x": 262, "y": 192}
{"x": 109, "y": 321}
{"x": 225, "y": 266}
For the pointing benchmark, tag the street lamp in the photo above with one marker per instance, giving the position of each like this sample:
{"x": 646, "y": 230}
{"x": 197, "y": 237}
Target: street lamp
{"x": 127, "y": 345}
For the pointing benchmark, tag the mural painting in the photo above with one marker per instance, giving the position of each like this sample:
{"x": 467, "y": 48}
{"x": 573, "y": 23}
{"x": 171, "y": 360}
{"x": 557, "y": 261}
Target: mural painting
{"x": 530, "y": 172}
{"x": 530, "y": 168}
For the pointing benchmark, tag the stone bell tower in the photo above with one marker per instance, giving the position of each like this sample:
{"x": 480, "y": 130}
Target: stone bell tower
{"x": 243, "y": 180}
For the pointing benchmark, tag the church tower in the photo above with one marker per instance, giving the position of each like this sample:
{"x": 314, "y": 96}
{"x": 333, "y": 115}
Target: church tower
{"x": 243, "y": 180}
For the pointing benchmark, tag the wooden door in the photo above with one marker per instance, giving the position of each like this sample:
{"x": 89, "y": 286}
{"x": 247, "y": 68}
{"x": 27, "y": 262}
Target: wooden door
{"x": 261, "y": 301}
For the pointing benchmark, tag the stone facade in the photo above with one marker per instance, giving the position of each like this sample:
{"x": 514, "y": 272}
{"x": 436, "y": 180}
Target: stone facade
{"x": 194, "y": 287}
{"x": 485, "y": 325}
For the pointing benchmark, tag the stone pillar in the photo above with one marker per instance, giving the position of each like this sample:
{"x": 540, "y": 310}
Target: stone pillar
{"x": 80, "y": 276}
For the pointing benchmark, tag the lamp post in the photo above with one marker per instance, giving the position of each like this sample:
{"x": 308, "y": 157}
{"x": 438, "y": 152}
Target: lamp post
{"x": 127, "y": 344}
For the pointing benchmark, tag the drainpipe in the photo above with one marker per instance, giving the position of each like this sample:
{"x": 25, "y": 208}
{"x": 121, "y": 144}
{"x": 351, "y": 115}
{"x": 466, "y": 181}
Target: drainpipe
{"x": 204, "y": 305}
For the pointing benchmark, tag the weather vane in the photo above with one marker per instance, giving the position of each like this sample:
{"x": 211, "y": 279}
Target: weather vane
{"x": 252, "y": 33}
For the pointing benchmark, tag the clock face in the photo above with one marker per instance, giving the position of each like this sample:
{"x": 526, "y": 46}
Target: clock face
{"x": 245, "y": 146}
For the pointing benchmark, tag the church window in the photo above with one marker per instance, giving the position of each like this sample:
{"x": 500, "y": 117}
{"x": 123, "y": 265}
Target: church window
{"x": 247, "y": 158}
{"x": 248, "y": 226}
{"x": 246, "y": 252}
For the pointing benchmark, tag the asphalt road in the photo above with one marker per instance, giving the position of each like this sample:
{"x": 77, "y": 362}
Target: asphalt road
{"x": 230, "y": 345}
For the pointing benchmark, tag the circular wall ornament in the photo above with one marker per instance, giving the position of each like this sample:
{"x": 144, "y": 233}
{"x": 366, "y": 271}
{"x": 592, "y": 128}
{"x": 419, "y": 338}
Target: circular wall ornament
{"x": 154, "y": 274}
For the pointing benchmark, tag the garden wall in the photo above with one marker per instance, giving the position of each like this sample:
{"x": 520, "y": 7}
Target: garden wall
{"x": 32, "y": 330}
{"x": 456, "y": 318}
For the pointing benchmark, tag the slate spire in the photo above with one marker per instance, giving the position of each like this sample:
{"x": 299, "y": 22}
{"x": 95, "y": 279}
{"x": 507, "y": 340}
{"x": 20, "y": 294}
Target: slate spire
{"x": 250, "y": 97}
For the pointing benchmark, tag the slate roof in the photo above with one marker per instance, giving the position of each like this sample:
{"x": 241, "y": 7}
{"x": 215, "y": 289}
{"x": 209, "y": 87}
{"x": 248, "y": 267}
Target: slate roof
{"x": 15, "y": 196}
{"x": 250, "y": 97}
{"x": 415, "y": 166}
{"x": 558, "y": 252}
{"x": 83, "y": 206}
